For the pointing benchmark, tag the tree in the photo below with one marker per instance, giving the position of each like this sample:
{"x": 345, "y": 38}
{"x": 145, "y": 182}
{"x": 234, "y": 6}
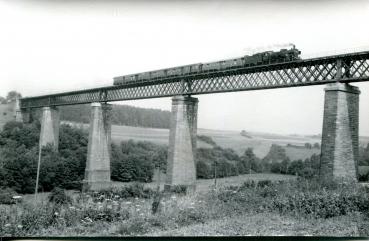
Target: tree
{"x": 275, "y": 154}
{"x": 308, "y": 146}
{"x": 203, "y": 170}
{"x": 2, "y": 100}
{"x": 12, "y": 95}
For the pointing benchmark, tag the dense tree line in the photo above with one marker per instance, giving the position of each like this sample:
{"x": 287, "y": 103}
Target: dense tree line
{"x": 19, "y": 156}
{"x": 121, "y": 115}
{"x": 130, "y": 161}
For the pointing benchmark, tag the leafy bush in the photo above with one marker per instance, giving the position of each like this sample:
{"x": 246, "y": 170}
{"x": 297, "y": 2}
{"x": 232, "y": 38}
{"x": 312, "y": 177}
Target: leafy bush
{"x": 321, "y": 204}
{"x": 58, "y": 196}
{"x": 6, "y": 196}
{"x": 155, "y": 206}
{"x": 189, "y": 216}
{"x": 133, "y": 226}
{"x": 135, "y": 190}
{"x": 264, "y": 183}
{"x": 177, "y": 189}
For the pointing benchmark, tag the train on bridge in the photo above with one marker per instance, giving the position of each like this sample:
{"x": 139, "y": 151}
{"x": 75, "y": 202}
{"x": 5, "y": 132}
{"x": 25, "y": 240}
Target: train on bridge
{"x": 262, "y": 58}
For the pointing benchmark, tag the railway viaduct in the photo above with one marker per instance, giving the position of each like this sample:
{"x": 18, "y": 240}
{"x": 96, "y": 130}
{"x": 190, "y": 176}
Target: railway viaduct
{"x": 339, "y": 153}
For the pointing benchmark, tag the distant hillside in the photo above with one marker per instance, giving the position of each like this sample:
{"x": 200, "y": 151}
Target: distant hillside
{"x": 121, "y": 115}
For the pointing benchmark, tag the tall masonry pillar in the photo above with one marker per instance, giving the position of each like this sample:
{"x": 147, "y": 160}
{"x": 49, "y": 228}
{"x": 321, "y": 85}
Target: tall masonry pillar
{"x": 50, "y": 127}
{"x": 21, "y": 115}
{"x": 181, "y": 168}
{"x": 340, "y": 137}
{"x": 97, "y": 173}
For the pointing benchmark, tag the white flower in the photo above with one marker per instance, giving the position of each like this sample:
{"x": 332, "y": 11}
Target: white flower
{"x": 17, "y": 197}
{"x": 8, "y": 225}
{"x": 56, "y": 213}
{"x": 128, "y": 202}
{"x": 20, "y": 226}
{"x": 71, "y": 207}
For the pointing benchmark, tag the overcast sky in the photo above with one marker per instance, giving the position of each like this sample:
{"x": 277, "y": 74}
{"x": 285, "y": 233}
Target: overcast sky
{"x": 67, "y": 45}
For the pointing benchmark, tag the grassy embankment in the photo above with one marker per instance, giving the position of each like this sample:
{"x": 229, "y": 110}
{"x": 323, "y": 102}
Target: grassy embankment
{"x": 235, "y": 208}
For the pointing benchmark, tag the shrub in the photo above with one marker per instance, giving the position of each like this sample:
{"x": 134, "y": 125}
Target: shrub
{"x": 248, "y": 184}
{"x": 6, "y": 196}
{"x": 133, "y": 226}
{"x": 129, "y": 191}
{"x": 264, "y": 183}
{"x": 322, "y": 203}
{"x": 58, "y": 196}
{"x": 177, "y": 189}
{"x": 155, "y": 206}
{"x": 189, "y": 216}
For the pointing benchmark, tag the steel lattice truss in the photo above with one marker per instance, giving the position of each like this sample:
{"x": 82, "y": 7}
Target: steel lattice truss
{"x": 340, "y": 68}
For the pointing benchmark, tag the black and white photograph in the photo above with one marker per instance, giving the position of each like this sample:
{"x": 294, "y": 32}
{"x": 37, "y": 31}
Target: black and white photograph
{"x": 184, "y": 118}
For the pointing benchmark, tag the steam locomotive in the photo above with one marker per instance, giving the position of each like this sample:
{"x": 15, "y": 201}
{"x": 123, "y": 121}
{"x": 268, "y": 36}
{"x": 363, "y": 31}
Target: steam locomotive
{"x": 263, "y": 58}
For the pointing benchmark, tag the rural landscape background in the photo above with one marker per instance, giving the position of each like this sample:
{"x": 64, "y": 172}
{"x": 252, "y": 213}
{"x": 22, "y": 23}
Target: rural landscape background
{"x": 249, "y": 183}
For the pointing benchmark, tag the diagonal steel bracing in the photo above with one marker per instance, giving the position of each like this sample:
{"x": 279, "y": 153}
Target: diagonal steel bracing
{"x": 352, "y": 67}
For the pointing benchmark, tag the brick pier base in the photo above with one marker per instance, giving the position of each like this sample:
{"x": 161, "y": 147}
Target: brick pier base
{"x": 181, "y": 168}
{"x": 340, "y": 141}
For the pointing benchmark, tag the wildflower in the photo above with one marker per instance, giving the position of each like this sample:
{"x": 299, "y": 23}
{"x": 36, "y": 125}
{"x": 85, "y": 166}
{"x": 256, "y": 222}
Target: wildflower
{"x": 116, "y": 196}
{"x": 109, "y": 206}
{"x": 56, "y": 213}
{"x": 128, "y": 202}
{"x": 20, "y": 226}
{"x": 107, "y": 199}
{"x": 173, "y": 197}
{"x": 17, "y": 197}
{"x": 138, "y": 209}
{"x": 136, "y": 198}
{"x": 72, "y": 208}
{"x": 8, "y": 225}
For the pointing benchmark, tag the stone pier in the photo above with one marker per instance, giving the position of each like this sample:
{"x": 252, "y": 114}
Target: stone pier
{"x": 49, "y": 127}
{"x": 181, "y": 168}
{"x": 97, "y": 174}
{"x": 21, "y": 115}
{"x": 340, "y": 136}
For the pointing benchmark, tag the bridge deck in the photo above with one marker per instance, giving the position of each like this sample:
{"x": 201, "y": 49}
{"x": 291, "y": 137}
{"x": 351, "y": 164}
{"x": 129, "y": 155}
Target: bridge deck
{"x": 352, "y": 67}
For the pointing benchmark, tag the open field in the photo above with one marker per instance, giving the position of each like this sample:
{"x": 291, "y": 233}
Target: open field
{"x": 260, "y": 142}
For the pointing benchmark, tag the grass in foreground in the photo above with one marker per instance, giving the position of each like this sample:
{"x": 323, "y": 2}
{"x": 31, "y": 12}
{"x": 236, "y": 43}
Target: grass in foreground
{"x": 302, "y": 207}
